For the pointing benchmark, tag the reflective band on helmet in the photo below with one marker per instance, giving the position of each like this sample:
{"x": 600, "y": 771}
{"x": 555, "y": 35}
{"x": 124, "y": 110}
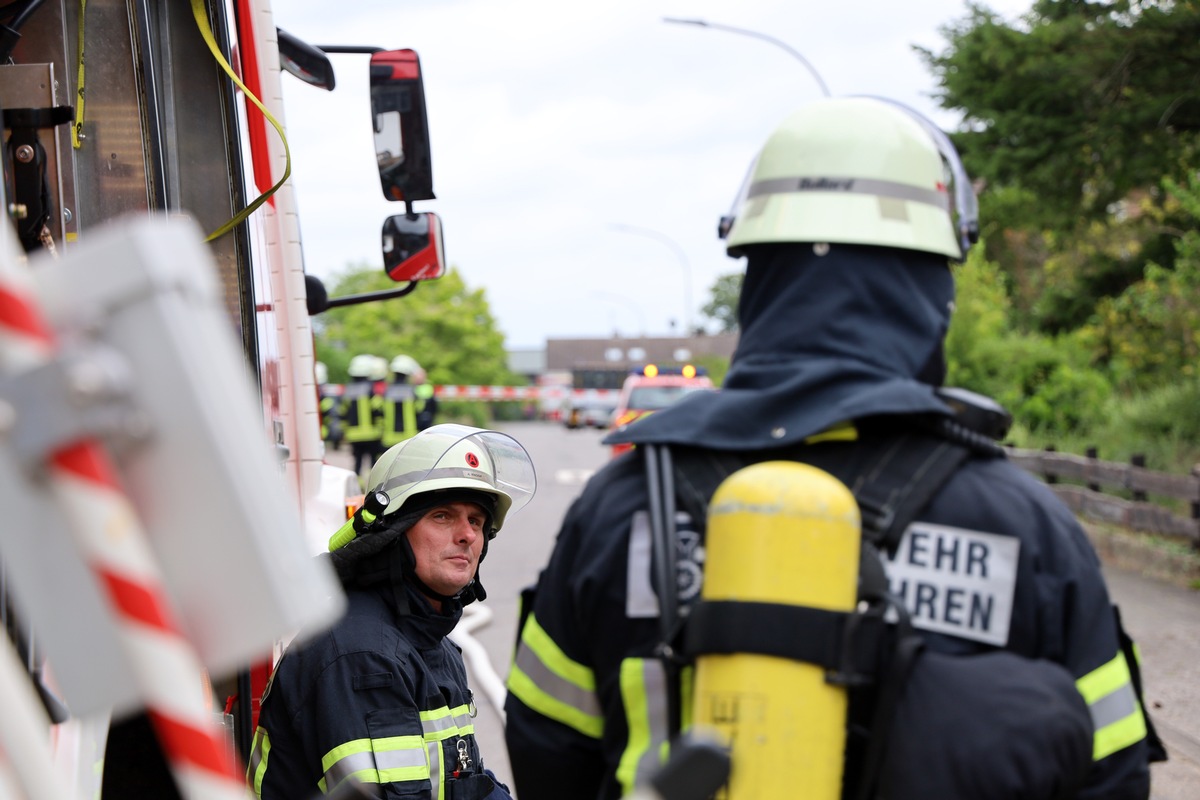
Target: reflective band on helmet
{"x": 1116, "y": 716}
{"x": 644, "y": 694}
{"x": 543, "y": 678}
{"x": 257, "y": 766}
{"x": 828, "y": 185}
{"x": 409, "y": 478}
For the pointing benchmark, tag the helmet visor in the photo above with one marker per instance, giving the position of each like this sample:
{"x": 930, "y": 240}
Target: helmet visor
{"x": 451, "y": 456}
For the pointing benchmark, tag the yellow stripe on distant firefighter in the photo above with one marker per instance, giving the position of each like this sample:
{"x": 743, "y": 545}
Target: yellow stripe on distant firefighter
{"x": 1116, "y": 715}
{"x": 545, "y": 679}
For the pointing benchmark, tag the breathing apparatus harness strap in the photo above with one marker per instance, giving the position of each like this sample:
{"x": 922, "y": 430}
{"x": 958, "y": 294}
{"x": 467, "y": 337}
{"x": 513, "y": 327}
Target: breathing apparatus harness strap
{"x": 894, "y": 469}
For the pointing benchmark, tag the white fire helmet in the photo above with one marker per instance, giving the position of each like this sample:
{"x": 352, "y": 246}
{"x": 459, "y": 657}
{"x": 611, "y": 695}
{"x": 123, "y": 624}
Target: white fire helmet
{"x": 362, "y": 366}
{"x": 856, "y": 170}
{"x": 379, "y": 368}
{"x": 454, "y": 456}
{"x": 405, "y": 365}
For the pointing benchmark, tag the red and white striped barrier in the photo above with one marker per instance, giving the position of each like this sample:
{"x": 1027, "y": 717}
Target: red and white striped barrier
{"x": 493, "y": 394}
{"x": 111, "y": 541}
{"x": 500, "y": 393}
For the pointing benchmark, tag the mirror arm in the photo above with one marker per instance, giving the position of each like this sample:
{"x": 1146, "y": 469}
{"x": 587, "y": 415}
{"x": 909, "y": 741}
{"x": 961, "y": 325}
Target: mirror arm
{"x": 355, "y": 299}
{"x": 348, "y": 48}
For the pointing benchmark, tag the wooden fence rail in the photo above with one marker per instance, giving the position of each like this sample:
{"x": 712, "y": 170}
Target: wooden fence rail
{"x": 1090, "y": 476}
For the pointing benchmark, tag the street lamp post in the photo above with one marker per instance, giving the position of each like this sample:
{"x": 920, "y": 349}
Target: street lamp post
{"x": 795, "y": 53}
{"x": 683, "y": 262}
{"x": 628, "y": 303}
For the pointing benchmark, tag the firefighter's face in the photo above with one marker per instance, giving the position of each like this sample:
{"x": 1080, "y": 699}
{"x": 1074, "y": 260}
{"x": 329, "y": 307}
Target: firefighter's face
{"x": 446, "y": 543}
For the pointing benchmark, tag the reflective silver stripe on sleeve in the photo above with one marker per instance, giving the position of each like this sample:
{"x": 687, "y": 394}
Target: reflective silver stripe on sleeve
{"x": 442, "y": 723}
{"x": 654, "y": 682}
{"x": 347, "y": 765}
{"x": 562, "y": 690}
{"x": 1113, "y": 707}
{"x": 640, "y": 600}
{"x": 436, "y": 774}
{"x": 831, "y": 185}
{"x": 403, "y": 758}
{"x": 436, "y": 728}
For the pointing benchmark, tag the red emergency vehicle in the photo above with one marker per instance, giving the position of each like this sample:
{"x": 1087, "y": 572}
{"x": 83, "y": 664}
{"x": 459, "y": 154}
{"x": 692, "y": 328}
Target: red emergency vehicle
{"x": 651, "y": 387}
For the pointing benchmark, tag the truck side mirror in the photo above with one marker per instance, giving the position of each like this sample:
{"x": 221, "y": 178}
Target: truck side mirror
{"x": 412, "y": 247}
{"x": 298, "y": 57}
{"x": 401, "y": 126}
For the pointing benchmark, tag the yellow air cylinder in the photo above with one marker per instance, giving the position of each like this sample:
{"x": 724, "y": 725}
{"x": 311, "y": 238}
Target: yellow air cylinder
{"x": 788, "y": 533}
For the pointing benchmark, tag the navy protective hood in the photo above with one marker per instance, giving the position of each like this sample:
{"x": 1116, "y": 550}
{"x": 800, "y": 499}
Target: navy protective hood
{"x": 824, "y": 339}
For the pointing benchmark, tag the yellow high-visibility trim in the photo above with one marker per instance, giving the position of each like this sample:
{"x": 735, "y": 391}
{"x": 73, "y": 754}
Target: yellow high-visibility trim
{"x": 1104, "y": 680}
{"x": 633, "y": 695}
{"x": 1119, "y": 735}
{"x": 687, "y": 691}
{"x": 342, "y": 750}
{"x": 258, "y": 761}
{"x": 528, "y": 692}
{"x": 841, "y": 432}
{"x": 1102, "y": 683}
{"x": 554, "y": 658}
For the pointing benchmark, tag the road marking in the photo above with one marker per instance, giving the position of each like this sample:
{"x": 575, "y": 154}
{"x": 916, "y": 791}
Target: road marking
{"x": 573, "y": 477}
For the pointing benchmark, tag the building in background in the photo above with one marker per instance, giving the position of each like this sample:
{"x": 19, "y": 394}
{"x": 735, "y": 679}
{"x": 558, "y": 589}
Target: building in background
{"x": 603, "y": 363}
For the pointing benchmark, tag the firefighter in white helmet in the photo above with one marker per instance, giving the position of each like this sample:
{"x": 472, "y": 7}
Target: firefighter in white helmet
{"x": 361, "y": 410}
{"x": 399, "y": 401}
{"x": 382, "y": 696}
{"x": 849, "y": 228}
{"x": 328, "y": 399}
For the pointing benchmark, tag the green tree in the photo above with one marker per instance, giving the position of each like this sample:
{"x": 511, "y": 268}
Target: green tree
{"x": 1079, "y": 102}
{"x": 1148, "y": 335}
{"x": 723, "y": 302}
{"x": 446, "y": 326}
{"x": 981, "y": 308}
{"x": 1071, "y": 118}
{"x": 1046, "y": 382}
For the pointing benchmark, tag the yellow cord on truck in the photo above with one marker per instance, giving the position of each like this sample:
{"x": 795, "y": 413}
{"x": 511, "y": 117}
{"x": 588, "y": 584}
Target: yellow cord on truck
{"x": 201, "y": 16}
{"x": 77, "y": 129}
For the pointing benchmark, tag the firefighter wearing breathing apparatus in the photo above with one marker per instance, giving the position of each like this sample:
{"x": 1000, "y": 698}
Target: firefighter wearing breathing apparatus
{"x": 983, "y": 657}
{"x": 382, "y": 696}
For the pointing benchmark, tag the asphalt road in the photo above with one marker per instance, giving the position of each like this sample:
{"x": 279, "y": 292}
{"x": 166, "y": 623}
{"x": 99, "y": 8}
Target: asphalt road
{"x": 1163, "y": 619}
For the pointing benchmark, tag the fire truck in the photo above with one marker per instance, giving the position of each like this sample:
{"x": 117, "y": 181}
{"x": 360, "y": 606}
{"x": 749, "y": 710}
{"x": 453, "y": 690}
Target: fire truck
{"x": 166, "y": 109}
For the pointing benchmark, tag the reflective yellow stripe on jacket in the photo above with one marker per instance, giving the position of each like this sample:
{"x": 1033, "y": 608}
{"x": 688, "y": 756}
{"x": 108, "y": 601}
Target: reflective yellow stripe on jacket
{"x": 1116, "y": 715}
{"x": 543, "y": 678}
{"x": 386, "y": 760}
{"x": 644, "y": 695}
{"x": 257, "y": 765}
{"x": 439, "y": 725}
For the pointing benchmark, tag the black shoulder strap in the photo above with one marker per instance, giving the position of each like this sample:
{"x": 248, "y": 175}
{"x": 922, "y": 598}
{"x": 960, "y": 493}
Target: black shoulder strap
{"x": 893, "y": 476}
{"x": 894, "y": 473}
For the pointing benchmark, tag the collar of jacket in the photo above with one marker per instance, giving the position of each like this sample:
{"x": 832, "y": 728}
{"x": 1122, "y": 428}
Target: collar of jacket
{"x": 827, "y": 335}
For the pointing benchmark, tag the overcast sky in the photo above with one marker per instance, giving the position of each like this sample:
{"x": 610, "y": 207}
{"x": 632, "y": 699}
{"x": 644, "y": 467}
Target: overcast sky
{"x": 554, "y": 124}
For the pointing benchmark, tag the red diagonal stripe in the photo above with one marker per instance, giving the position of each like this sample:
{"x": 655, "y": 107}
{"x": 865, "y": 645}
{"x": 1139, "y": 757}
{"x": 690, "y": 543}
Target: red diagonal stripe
{"x": 200, "y": 748}
{"x": 86, "y": 460}
{"x": 17, "y": 313}
{"x": 138, "y": 602}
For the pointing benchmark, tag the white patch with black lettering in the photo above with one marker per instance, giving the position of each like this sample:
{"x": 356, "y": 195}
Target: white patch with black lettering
{"x": 956, "y": 581}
